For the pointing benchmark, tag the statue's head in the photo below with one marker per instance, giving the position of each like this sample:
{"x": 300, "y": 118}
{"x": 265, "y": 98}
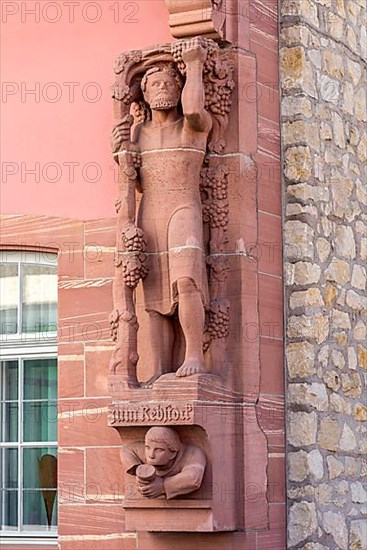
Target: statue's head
{"x": 161, "y": 446}
{"x": 161, "y": 87}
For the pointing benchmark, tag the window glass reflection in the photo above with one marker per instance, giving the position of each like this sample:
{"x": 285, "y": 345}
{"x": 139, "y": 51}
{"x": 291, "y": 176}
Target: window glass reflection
{"x": 9, "y": 298}
{"x": 39, "y": 298}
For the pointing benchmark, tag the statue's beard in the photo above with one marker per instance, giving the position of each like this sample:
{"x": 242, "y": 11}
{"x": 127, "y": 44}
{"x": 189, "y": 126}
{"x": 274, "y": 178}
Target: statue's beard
{"x": 162, "y": 103}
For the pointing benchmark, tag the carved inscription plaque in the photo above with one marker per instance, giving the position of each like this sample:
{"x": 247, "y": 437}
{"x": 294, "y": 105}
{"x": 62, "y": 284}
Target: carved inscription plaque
{"x": 152, "y": 414}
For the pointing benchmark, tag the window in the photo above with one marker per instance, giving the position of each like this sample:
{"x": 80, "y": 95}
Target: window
{"x": 28, "y": 394}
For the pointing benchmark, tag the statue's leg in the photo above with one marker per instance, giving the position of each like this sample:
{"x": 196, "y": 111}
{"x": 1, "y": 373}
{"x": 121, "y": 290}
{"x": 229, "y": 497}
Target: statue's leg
{"x": 192, "y": 317}
{"x": 161, "y": 338}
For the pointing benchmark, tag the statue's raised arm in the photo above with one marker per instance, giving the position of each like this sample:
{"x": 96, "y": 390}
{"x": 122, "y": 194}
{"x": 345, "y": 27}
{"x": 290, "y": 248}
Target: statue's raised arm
{"x": 193, "y": 99}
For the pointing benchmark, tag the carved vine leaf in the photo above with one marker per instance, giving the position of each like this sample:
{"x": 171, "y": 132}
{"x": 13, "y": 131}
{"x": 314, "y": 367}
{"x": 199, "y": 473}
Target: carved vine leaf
{"x": 130, "y": 172}
{"x": 121, "y": 89}
{"x": 121, "y": 92}
{"x": 125, "y": 59}
{"x": 218, "y": 267}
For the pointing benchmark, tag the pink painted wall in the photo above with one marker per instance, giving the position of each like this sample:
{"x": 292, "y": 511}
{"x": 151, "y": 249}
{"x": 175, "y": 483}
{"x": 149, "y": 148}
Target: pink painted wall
{"x": 64, "y": 123}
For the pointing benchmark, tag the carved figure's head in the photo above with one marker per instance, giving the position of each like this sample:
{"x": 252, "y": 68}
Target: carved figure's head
{"x": 161, "y": 446}
{"x": 161, "y": 87}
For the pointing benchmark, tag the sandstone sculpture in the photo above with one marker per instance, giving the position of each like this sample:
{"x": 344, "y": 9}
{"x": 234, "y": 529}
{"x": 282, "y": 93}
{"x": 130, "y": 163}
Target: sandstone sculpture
{"x": 171, "y": 108}
{"x": 184, "y": 273}
{"x": 164, "y": 467}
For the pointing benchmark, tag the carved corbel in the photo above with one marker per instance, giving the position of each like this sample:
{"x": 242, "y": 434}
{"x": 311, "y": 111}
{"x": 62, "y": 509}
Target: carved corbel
{"x": 196, "y": 17}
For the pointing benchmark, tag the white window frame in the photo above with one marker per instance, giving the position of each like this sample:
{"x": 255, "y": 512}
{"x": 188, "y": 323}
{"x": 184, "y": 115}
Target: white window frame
{"x": 21, "y": 347}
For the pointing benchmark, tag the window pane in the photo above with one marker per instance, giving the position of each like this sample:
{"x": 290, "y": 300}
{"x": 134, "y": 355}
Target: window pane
{"x": 40, "y": 379}
{"x": 39, "y": 468}
{"x": 9, "y": 422}
{"x": 39, "y": 421}
{"x": 9, "y": 510}
{"x": 8, "y": 298}
{"x": 9, "y": 378}
{"x": 39, "y": 510}
{"x": 9, "y": 470}
{"x": 39, "y": 298}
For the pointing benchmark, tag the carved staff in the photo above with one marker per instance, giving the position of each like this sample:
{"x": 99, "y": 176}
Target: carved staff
{"x": 130, "y": 243}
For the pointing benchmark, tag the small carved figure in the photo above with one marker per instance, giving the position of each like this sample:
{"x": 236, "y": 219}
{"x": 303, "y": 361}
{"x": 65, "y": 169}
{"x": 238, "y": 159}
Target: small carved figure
{"x": 172, "y": 145}
{"x": 164, "y": 467}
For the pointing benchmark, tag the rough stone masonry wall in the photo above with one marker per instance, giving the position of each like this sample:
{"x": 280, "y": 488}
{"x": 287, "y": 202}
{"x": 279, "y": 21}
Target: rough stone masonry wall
{"x": 324, "y": 144}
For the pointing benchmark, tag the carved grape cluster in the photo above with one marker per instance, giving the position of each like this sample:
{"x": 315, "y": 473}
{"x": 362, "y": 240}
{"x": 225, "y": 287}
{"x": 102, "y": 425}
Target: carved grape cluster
{"x": 217, "y": 99}
{"x": 134, "y": 265}
{"x": 133, "y": 239}
{"x": 176, "y": 50}
{"x": 218, "y": 326}
{"x": 137, "y": 160}
{"x": 218, "y": 81}
{"x": 217, "y": 322}
{"x": 216, "y": 213}
{"x": 134, "y": 269}
{"x": 215, "y": 208}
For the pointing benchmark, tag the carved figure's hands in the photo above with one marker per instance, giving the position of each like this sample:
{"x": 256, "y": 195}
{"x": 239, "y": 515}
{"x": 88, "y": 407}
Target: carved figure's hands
{"x": 193, "y": 50}
{"x": 120, "y": 133}
{"x": 152, "y": 489}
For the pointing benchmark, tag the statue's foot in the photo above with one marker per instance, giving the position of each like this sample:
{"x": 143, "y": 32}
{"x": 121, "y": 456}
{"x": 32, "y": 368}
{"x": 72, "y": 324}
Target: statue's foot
{"x": 190, "y": 367}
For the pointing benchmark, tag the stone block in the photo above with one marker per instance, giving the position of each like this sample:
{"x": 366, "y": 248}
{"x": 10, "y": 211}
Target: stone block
{"x": 302, "y": 273}
{"x": 334, "y": 524}
{"x": 335, "y": 467}
{"x": 358, "y": 534}
{"x": 298, "y": 241}
{"x": 302, "y": 428}
{"x": 338, "y": 271}
{"x": 306, "y": 298}
{"x": 298, "y": 163}
{"x": 329, "y": 434}
{"x": 347, "y": 440}
{"x": 302, "y": 522}
{"x": 309, "y": 395}
{"x": 345, "y": 245}
{"x": 300, "y": 359}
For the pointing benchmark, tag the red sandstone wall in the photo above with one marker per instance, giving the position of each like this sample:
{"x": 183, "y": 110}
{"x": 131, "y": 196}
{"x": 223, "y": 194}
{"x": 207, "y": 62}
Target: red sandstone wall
{"x": 264, "y": 43}
{"x": 91, "y": 482}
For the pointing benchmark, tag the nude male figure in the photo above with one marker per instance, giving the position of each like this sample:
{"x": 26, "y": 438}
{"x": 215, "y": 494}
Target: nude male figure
{"x": 172, "y": 146}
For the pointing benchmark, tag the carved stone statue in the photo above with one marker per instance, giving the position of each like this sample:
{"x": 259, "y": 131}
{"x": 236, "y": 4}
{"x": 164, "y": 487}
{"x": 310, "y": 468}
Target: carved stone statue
{"x": 160, "y": 145}
{"x": 164, "y": 467}
{"x": 172, "y": 147}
